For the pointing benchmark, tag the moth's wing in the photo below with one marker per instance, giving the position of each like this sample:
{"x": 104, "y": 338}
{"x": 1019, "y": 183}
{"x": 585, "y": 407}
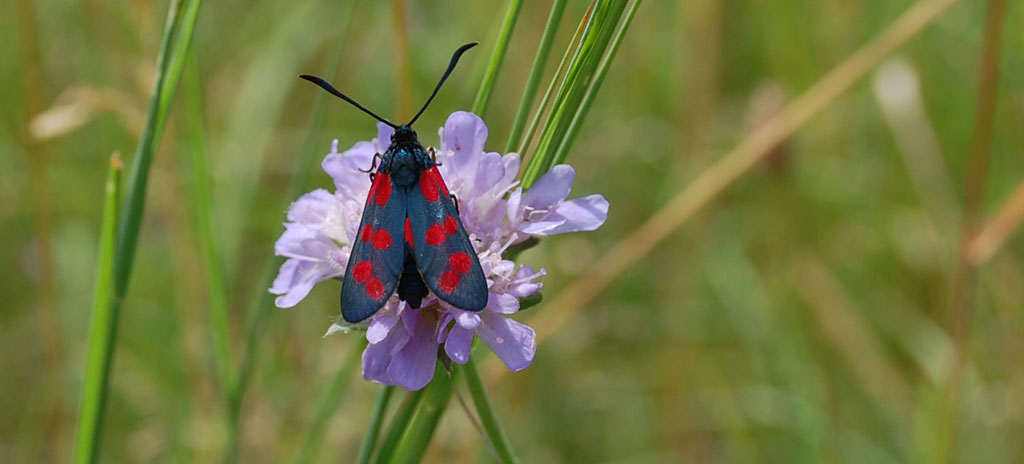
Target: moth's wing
{"x": 443, "y": 253}
{"x": 377, "y": 252}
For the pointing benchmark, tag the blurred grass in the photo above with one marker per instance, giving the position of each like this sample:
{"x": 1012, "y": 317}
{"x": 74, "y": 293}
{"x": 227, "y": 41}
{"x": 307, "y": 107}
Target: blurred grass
{"x": 712, "y": 348}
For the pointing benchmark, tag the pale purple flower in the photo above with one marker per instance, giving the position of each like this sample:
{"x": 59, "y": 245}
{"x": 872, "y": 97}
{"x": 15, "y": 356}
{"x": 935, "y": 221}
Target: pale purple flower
{"x": 403, "y": 342}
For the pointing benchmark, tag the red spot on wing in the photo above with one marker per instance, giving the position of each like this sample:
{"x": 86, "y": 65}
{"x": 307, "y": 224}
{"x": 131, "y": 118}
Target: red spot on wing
{"x": 381, "y": 239}
{"x": 440, "y": 181}
{"x": 428, "y": 186}
{"x": 374, "y": 288}
{"x": 362, "y": 271}
{"x": 435, "y": 235}
{"x": 460, "y": 262}
{"x": 383, "y": 192}
{"x": 367, "y": 233}
{"x": 408, "y": 232}
{"x": 449, "y": 281}
{"x": 450, "y": 225}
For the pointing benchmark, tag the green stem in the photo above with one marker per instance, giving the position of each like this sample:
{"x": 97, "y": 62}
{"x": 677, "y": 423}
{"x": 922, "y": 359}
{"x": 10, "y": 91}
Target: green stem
{"x": 329, "y": 403}
{"x": 102, "y": 327}
{"x": 483, "y": 95}
{"x": 488, "y": 419}
{"x": 421, "y": 429}
{"x": 376, "y": 419}
{"x": 595, "y": 86}
{"x": 399, "y": 424}
{"x": 536, "y": 73}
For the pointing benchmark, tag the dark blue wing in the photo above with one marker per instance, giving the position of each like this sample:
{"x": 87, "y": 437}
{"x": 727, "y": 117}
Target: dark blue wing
{"x": 443, "y": 253}
{"x": 377, "y": 252}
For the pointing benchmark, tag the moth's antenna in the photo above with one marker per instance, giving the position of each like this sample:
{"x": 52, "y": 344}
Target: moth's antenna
{"x": 451, "y": 67}
{"x": 333, "y": 91}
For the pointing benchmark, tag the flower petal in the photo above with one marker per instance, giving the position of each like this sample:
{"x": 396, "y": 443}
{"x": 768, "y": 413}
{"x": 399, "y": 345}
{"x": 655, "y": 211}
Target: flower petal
{"x": 587, "y": 213}
{"x": 296, "y": 280}
{"x": 377, "y": 357}
{"x": 514, "y": 342}
{"x": 383, "y": 140}
{"x": 465, "y": 134}
{"x": 413, "y": 366}
{"x": 502, "y": 303}
{"x": 380, "y": 326}
{"x": 344, "y": 169}
{"x": 459, "y": 344}
{"x": 551, "y": 188}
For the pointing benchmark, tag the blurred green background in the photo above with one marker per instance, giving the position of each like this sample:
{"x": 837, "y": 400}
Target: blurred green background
{"x": 800, "y": 317}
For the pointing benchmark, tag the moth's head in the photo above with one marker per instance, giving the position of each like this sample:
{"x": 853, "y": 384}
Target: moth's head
{"x": 403, "y": 135}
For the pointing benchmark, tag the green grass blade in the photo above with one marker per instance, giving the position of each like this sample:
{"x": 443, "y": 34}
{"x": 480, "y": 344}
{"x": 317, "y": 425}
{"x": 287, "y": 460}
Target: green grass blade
{"x": 536, "y": 73}
{"x": 376, "y": 420}
{"x": 417, "y": 436}
{"x": 131, "y": 216}
{"x": 483, "y": 95}
{"x": 532, "y": 171}
{"x": 102, "y": 327}
{"x": 399, "y": 425}
{"x": 579, "y": 75}
{"x": 488, "y": 418}
{"x": 329, "y": 403}
{"x": 213, "y": 270}
{"x": 594, "y": 87}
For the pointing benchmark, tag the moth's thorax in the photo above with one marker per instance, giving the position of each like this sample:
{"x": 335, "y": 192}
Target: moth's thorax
{"x": 405, "y": 158}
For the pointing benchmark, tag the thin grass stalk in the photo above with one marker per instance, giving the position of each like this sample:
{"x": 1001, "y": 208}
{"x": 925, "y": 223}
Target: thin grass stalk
{"x": 538, "y": 115}
{"x": 533, "y": 167}
{"x": 103, "y": 326}
{"x": 483, "y": 95}
{"x": 329, "y": 403}
{"x": 488, "y": 419}
{"x": 263, "y": 301}
{"x": 536, "y": 73}
{"x": 977, "y": 167}
{"x": 131, "y": 216}
{"x": 594, "y": 87}
{"x": 182, "y": 51}
{"x": 213, "y": 270}
{"x": 398, "y": 426}
{"x": 438, "y": 394}
{"x": 580, "y": 73}
{"x": 380, "y": 405}
{"x": 993, "y": 235}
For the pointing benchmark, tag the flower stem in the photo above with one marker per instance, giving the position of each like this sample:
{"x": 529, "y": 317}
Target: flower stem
{"x": 536, "y": 73}
{"x": 373, "y": 430}
{"x": 421, "y": 429}
{"x": 483, "y": 95}
{"x": 399, "y": 424}
{"x": 102, "y": 327}
{"x": 329, "y": 403}
{"x": 487, "y": 417}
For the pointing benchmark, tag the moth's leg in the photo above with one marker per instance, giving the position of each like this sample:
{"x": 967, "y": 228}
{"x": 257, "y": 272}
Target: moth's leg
{"x": 373, "y": 166}
{"x": 456, "y": 200}
{"x": 433, "y": 155}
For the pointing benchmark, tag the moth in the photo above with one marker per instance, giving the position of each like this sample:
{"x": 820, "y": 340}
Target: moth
{"x": 410, "y": 238}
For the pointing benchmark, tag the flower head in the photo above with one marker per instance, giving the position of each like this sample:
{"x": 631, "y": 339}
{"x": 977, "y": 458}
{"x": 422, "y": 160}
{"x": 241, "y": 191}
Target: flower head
{"x": 496, "y": 213}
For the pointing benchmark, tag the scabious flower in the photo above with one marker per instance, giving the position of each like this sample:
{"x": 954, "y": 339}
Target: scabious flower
{"x": 403, "y": 342}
